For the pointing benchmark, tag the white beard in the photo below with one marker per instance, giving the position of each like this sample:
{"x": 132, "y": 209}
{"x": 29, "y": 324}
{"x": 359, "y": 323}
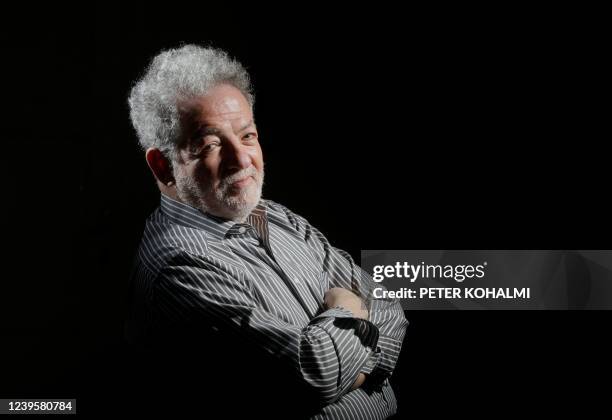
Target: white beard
{"x": 217, "y": 201}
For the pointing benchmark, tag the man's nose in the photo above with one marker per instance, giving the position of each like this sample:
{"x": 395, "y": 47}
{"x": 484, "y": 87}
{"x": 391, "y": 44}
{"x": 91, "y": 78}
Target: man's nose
{"x": 237, "y": 156}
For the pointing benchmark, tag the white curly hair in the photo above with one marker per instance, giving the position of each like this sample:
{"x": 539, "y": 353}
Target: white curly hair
{"x": 173, "y": 76}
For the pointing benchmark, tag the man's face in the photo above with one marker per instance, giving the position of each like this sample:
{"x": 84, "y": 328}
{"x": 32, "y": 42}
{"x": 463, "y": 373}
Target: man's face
{"x": 220, "y": 164}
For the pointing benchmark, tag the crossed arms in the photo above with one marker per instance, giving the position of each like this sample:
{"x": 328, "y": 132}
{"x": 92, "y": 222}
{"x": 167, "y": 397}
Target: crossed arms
{"x": 353, "y": 340}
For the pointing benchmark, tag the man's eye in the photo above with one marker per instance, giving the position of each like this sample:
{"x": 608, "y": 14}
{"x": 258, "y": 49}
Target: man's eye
{"x": 249, "y": 136}
{"x": 209, "y": 146}
{"x": 202, "y": 146}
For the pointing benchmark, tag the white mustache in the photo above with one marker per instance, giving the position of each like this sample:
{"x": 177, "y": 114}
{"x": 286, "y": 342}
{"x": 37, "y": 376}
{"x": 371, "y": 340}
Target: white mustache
{"x": 250, "y": 171}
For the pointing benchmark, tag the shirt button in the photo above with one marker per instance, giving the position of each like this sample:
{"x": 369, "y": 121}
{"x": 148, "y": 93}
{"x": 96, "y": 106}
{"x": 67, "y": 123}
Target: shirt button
{"x": 242, "y": 229}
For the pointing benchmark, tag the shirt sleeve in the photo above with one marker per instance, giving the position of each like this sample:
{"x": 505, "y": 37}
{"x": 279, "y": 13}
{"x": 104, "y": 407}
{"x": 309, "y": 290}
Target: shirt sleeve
{"x": 327, "y": 354}
{"x": 386, "y": 314}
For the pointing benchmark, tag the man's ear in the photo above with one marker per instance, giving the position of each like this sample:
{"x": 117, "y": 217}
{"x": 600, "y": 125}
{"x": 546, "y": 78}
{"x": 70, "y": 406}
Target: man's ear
{"x": 160, "y": 166}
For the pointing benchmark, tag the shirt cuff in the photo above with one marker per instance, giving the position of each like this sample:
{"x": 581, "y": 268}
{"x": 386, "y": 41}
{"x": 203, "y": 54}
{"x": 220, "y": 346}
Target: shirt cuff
{"x": 335, "y": 312}
{"x": 345, "y": 319}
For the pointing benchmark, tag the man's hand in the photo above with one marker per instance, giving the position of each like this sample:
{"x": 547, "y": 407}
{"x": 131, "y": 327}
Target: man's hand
{"x": 338, "y": 296}
{"x": 359, "y": 381}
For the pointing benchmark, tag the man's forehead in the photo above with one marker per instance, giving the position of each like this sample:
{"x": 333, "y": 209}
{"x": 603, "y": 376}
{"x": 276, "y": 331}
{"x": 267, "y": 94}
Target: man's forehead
{"x": 222, "y": 100}
{"x": 236, "y": 125}
{"x": 223, "y": 106}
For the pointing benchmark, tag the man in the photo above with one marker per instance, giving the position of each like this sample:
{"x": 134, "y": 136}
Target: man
{"x": 241, "y": 295}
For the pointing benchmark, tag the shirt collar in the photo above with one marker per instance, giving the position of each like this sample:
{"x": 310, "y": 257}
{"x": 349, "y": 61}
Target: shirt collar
{"x": 186, "y": 215}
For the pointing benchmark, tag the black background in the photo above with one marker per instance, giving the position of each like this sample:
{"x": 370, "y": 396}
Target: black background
{"x": 387, "y": 129}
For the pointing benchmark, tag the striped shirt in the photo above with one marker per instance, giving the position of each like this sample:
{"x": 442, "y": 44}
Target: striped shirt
{"x": 265, "y": 279}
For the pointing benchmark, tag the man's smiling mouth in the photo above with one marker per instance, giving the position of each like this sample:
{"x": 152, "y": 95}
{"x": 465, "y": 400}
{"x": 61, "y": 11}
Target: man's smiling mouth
{"x": 241, "y": 182}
